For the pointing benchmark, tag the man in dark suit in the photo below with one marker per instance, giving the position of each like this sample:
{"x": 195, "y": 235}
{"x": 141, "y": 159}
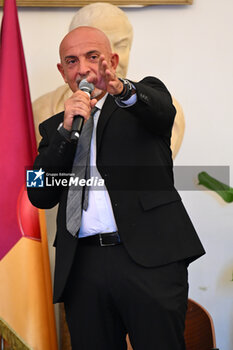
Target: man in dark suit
{"x": 122, "y": 267}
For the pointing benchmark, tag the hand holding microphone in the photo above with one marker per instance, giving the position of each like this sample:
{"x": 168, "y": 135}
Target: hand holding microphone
{"x": 78, "y": 120}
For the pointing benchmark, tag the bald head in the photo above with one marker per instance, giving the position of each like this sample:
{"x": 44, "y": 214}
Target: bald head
{"x": 83, "y": 33}
{"x": 81, "y": 52}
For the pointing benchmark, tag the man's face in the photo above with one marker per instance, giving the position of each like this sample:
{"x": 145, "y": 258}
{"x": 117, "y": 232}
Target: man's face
{"x": 80, "y": 51}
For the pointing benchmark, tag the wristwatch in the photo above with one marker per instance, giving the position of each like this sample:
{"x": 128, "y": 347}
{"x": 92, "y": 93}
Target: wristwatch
{"x": 127, "y": 92}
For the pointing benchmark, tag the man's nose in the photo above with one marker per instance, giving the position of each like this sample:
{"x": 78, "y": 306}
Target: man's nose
{"x": 83, "y": 68}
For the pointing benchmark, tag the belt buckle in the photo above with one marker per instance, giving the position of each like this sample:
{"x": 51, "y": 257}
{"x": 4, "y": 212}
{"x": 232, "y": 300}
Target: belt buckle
{"x": 102, "y": 244}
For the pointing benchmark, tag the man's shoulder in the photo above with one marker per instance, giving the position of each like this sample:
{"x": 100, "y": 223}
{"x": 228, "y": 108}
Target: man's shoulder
{"x": 149, "y": 85}
{"x": 151, "y": 81}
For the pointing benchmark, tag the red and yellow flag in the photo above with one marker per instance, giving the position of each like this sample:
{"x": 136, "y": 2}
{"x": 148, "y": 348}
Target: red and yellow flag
{"x": 25, "y": 280}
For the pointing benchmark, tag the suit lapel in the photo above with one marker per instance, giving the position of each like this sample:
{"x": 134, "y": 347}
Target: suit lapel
{"x": 108, "y": 108}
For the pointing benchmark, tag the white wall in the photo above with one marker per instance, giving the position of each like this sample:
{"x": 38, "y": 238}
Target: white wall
{"x": 191, "y": 49}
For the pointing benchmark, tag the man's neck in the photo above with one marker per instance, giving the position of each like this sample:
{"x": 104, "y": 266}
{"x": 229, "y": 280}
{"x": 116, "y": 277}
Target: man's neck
{"x": 100, "y": 95}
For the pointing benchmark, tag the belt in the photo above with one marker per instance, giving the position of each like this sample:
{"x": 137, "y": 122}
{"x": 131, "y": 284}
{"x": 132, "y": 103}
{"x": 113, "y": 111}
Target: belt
{"x": 101, "y": 239}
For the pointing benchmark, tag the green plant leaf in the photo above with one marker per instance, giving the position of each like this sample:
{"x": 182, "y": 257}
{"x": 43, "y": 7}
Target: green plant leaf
{"x": 225, "y": 191}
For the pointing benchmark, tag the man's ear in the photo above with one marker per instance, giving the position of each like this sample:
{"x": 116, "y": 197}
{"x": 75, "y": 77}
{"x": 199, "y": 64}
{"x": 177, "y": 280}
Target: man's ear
{"x": 114, "y": 60}
{"x": 61, "y": 70}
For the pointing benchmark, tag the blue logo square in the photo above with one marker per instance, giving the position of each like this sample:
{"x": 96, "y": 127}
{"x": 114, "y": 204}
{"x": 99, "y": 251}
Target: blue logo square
{"x": 35, "y": 178}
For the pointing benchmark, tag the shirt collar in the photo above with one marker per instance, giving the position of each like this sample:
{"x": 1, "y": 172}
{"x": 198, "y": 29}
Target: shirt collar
{"x": 100, "y": 103}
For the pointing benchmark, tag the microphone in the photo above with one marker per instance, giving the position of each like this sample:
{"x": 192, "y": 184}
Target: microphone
{"x": 78, "y": 120}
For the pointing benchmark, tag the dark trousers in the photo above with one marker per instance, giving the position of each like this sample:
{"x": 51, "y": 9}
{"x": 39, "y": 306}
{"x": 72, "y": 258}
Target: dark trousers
{"x": 108, "y": 295}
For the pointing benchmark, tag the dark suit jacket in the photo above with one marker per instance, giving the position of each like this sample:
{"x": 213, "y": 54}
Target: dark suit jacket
{"x": 134, "y": 159}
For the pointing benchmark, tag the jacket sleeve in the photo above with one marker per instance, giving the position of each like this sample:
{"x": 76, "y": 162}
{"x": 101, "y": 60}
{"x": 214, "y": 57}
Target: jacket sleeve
{"x": 154, "y": 105}
{"x": 55, "y": 156}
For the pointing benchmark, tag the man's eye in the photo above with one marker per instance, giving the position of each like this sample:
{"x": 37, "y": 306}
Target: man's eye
{"x": 71, "y": 61}
{"x": 94, "y": 57}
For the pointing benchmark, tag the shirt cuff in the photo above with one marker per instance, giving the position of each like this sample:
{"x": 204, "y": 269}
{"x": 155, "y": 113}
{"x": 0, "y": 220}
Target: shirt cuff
{"x": 130, "y": 102}
{"x": 65, "y": 133}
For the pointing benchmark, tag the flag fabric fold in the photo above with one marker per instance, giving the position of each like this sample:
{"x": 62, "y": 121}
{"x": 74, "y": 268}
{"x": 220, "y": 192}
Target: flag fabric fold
{"x": 25, "y": 280}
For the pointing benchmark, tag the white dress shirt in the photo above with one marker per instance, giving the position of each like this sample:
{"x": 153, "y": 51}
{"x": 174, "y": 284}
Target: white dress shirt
{"x": 99, "y": 217}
